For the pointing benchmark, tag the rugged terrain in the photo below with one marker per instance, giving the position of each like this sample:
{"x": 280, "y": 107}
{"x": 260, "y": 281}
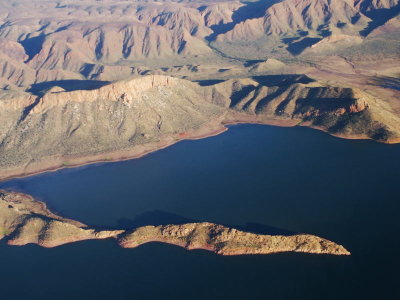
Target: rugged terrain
{"x": 130, "y": 118}
{"x": 44, "y": 40}
{"x": 24, "y": 221}
{"x": 85, "y": 81}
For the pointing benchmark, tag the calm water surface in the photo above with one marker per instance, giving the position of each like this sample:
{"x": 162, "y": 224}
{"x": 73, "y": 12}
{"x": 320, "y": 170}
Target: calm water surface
{"x": 266, "y": 179}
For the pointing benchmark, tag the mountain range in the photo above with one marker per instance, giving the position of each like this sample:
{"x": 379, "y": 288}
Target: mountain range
{"x": 85, "y": 80}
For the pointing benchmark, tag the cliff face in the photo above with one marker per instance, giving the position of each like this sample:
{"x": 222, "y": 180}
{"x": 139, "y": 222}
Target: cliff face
{"x": 148, "y": 112}
{"x": 342, "y": 111}
{"x": 25, "y": 221}
{"x": 114, "y": 117}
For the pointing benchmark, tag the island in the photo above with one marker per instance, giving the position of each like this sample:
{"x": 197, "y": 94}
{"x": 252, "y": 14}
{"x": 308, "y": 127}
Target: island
{"x": 24, "y": 220}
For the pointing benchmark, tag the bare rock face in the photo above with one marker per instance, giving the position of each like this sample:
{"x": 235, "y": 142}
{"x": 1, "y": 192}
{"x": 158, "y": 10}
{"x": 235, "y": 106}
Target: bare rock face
{"x": 26, "y": 221}
{"x": 124, "y": 119}
{"x": 228, "y": 241}
{"x": 45, "y": 40}
{"x": 343, "y": 111}
{"x": 115, "y": 117}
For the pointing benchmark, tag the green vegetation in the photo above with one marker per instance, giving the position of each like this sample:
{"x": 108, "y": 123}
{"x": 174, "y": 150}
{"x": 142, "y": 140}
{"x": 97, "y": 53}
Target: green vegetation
{"x": 4, "y": 231}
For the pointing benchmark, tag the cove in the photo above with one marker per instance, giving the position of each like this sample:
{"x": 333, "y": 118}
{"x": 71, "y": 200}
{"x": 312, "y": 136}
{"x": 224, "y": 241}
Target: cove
{"x": 264, "y": 178}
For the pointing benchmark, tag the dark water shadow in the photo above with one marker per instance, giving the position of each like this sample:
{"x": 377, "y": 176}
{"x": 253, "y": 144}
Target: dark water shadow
{"x": 159, "y": 217}
{"x": 264, "y": 229}
{"x": 155, "y": 218}
{"x": 68, "y": 85}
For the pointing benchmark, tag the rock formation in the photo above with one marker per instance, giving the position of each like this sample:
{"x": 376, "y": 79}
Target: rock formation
{"x": 25, "y": 221}
{"x": 89, "y": 39}
{"x": 128, "y": 118}
{"x": 83, "y": 81}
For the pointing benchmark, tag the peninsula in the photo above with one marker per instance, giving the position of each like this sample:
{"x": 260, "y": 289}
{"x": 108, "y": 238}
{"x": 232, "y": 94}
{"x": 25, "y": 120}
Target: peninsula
{"x": 23, "y": 220}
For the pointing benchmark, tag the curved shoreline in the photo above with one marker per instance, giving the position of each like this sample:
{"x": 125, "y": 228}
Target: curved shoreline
{"x": 25, "y": 221}
{"x": 212, "y": 128}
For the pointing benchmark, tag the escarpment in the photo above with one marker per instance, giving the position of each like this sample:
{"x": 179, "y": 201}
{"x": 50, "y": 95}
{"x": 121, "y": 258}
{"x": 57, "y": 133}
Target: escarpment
{"x": 23, "y": 220}
{"x": 128, "y": 118}
{"x": 115, "y": 117}
{"x": 348, "y": 112}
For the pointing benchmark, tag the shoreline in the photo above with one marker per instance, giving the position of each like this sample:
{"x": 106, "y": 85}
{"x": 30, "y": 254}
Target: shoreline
{"x": 210, "y": 129}
{"x": 58, "y": 163}
{"x": 26, "y": 220}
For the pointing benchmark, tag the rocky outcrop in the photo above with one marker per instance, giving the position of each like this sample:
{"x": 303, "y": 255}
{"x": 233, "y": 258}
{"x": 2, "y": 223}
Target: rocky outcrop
{"x": 26, "y": 221}
{"x": 228, "y": 241}
{"x": 92, "y": 39}
{"x": 115, "y": 117}
{"x": 341, "y": 111}
{"x": 128, "y": 118}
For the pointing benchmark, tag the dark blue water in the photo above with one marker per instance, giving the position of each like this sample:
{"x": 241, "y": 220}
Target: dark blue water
{"x": 267, "y": 179}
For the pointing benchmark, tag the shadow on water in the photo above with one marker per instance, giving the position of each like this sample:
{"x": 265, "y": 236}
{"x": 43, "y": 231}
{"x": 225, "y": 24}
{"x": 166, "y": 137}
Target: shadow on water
{"x": 68, "y": 85}
{"x": 155, "y": 218}
{"x": 159, "y": 217}
{"x": 264, "y": 229}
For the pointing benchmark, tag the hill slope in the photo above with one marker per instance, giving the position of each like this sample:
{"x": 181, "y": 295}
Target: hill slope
{"x": 131, "y": 117}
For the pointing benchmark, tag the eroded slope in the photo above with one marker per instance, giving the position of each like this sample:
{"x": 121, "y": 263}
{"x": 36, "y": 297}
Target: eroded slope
{"x": 25, "y": 221}
{"x": 132, "y": 117}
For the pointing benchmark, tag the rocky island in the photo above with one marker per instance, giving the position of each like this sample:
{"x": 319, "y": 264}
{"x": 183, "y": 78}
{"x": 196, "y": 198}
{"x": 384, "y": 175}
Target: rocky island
{"x": 23, "y": 220}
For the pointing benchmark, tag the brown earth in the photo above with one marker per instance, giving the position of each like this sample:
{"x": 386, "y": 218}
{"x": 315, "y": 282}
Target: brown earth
{"x": 88, "y": 81}
{"x": 23, "y": 220}
{"x": 130, "y": 118}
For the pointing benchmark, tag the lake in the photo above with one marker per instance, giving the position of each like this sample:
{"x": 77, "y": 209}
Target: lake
{"x": 263, "y": 178}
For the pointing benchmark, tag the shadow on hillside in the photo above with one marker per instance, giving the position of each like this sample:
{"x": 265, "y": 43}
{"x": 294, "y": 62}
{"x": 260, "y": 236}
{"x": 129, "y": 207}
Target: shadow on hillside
{"x": 297, "y": 47}
{"x": 209, "y": 82}
{"x": 379, "y": 17}
{"x": 282, "y": 80}
{"x": 68, "y": 85}
{"x": 267, "y": 80}
{"x": 386, "y": 82}
{"x": 250, "y": 10}
{"x": 33, "y": 45}
{"x": 158, "y": 217}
